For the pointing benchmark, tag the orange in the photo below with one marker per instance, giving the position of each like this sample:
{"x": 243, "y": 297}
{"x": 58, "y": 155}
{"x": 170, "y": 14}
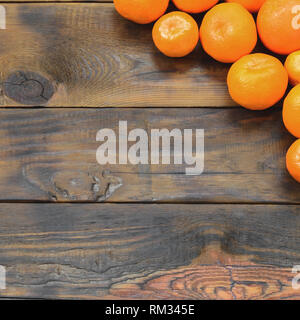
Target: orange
{"x": 293, "y": 160}
{"x": 278, "y": 24}
{"x": 257, "y": 81}
{"x": 141, "y": 11}
{"x": 176, "y": 34}
{"x": 250, "y": 5}
{"x": 292, "y": 65}
{"x": 291, "y": 111}
{"x": 228, "y": 32}
{"x": 194, "y": 6}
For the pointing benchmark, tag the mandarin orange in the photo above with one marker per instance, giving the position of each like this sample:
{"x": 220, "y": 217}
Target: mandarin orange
{"x": 141, "y": 11}
{"x": 291, "y": 111}
{"x": 176, "y": 34}
{"x": 292, "y": 65}
{"x": 194, "y": 6}
{"x": 250, "y": 5}
{"x": 228, "y": 32}
{"x": 293, "y": 160}
{"x": 278, "y": 24}
{"x": 257, "y": 81}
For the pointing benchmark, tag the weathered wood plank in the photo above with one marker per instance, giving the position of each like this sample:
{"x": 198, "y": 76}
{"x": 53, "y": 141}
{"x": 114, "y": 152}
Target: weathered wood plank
{"x": 94, "y": 58}
{"x": 50, "y": 155}
{"x": 149, "y": 251}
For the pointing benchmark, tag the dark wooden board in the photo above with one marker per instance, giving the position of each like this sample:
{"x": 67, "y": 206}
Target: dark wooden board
{"x": 86, "y": 55}
{"x": 50, "y": 155}
{"x": 149, "y": 251}
{"x": 92, "y": 57}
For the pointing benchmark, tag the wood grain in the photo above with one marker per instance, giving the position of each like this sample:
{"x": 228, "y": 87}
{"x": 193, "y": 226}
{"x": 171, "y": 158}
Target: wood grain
{"x": 50, "y": 155}
{"x": 95, "y": 58}
{"x": 149, "y": 251}
{"x": 86, "y": 55}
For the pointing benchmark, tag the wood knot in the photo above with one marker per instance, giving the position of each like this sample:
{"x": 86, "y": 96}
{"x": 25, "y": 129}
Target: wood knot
{"x": 28, "y": 88}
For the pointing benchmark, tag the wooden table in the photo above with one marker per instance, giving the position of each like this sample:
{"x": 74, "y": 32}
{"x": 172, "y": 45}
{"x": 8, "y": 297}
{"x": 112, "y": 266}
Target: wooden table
{"x": 71, "y": 228}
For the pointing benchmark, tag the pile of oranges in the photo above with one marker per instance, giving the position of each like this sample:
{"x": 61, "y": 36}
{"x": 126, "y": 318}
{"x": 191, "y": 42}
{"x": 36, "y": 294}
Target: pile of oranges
{"x": 229, "y": 33}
